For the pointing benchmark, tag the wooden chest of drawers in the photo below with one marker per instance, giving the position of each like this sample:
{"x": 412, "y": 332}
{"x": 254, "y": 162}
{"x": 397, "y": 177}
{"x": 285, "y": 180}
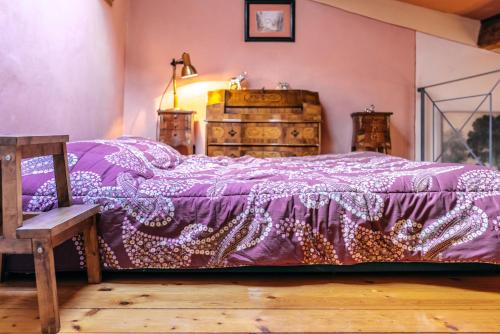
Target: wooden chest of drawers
{"x": 270, "y": 123}
{"x": 371, "y": 132}
{"x": 175, "y": 128}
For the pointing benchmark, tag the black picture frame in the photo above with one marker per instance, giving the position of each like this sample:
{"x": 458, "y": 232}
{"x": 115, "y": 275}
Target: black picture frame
{"x": 249, "y": 38}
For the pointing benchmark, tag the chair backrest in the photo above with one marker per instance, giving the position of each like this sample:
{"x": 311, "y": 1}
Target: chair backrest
{"x": 12, "y": 150}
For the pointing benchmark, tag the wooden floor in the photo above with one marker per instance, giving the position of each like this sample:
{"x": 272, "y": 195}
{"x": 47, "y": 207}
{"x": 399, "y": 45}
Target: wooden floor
{"x": 165, "y": 303}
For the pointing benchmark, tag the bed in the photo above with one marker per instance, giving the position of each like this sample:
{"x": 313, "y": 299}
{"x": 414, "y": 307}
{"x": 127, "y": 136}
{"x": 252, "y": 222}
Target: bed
{"x": 161, "y": 210}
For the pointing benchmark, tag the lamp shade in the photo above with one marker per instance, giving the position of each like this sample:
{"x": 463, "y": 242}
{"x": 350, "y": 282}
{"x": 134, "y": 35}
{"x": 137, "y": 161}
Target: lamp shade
{"x": 188, "y": 69}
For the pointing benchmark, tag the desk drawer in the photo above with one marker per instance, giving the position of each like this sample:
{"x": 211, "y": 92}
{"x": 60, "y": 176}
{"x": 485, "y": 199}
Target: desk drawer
{"x": 263, "y": 133}
{"x": 262, "y": 151}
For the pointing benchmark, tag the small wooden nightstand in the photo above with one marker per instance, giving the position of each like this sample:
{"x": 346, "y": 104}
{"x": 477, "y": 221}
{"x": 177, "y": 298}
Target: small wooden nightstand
{"x": 176, "y": 128}
{"x": 371, "y": 131}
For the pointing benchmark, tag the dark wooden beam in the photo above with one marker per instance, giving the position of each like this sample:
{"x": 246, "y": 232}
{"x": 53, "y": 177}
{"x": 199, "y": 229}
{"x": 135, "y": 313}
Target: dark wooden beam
{"x": 489, "y": 35}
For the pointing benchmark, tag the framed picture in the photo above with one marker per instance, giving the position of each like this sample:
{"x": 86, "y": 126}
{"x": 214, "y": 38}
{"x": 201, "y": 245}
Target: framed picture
{"x": 269, "y": 21}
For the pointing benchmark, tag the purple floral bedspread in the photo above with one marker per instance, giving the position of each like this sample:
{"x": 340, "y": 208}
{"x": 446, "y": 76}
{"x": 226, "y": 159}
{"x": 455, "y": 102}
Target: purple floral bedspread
{"x": 163, "y": 210}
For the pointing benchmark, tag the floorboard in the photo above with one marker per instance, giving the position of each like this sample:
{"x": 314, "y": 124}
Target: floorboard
{"x": 248, "y": 303}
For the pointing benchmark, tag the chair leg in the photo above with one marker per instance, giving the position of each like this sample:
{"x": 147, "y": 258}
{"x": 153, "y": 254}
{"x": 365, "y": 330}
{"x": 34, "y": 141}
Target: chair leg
{"x": 92, "y": 253}
{"x": 2, "y": 267}
{"x": 48, "y": 305}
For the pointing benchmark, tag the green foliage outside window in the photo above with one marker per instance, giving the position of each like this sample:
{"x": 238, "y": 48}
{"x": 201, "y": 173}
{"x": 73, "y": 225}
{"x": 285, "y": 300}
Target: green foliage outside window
{"x": 454, "y": 149}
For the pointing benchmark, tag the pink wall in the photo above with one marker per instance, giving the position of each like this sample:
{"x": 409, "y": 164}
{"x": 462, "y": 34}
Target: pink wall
{"x": 62, "y": 67}
{"x": 352, "y": 61}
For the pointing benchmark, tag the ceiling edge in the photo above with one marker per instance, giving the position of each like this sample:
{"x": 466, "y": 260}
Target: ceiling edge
{"x": 449, "y": 26}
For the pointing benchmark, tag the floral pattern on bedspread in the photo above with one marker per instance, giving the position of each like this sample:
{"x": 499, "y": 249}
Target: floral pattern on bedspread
{"x": 162, "y": 210}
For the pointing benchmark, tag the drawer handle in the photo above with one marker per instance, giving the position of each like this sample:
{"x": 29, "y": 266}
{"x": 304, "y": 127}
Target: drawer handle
{"x": 295, "y": 133}
{"x": 175, "y": 134}
{"x": 232, "y": 133}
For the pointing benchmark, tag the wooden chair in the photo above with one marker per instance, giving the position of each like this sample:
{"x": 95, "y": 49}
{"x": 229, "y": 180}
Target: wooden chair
{"x": 39, "y": 233}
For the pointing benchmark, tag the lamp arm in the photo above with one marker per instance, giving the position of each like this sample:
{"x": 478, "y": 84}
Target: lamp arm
{"x": 173, "y": 81}
{"x": 164, "y": 92}
{"x": 175, "y": 62}
{"x": 174, "y": 84}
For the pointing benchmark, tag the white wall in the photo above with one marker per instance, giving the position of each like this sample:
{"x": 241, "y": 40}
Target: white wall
{"x": 439, "y": 60}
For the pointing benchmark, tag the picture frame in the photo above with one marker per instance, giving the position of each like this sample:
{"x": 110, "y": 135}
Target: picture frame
{"x": 269, "y": 20}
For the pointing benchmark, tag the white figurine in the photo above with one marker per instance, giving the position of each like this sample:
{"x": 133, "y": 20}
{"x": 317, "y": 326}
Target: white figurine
{"x": 282, "y": 85}
{"x": 235, "y": 83}
{"x": 370, "y": 109}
